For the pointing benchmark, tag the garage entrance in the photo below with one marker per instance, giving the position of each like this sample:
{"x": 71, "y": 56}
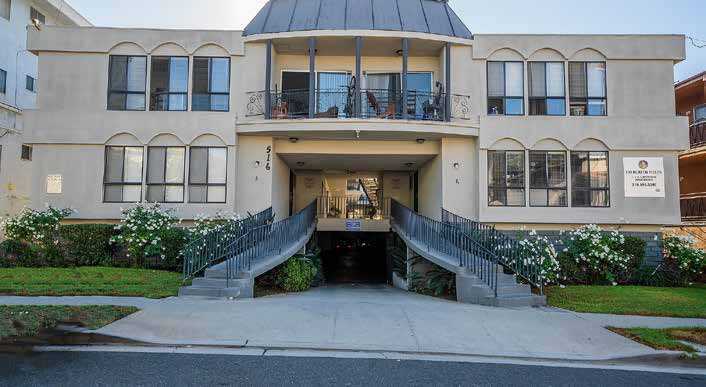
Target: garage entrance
{"x": 354, "y": 258}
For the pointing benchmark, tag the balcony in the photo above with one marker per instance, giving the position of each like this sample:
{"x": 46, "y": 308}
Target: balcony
{"x": 693, "y": 207}
{"x": 697, "y": 134}
{"x": 349, "y": 103}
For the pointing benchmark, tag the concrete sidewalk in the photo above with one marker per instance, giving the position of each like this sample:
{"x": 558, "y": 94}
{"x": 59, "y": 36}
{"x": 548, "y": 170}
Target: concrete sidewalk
{"x": 373, "y": 319}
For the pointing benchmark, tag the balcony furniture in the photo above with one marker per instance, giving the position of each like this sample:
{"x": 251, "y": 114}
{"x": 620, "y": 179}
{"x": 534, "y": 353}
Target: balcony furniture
{"x": 433, "y": 110}
{"x": 332, "y": 112}
{"x": 280, "y": 111}
{"x": 375, "y": 105}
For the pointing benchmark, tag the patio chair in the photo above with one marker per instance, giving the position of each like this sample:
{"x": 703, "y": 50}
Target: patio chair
{"x": 375, "y": 105}
{"x": 432, "y": 110}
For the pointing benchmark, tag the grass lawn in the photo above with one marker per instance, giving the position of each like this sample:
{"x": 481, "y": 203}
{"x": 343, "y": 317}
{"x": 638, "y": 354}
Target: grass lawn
{"x": 23, "y": 321}
{"x": 631, "y": 300}
{"x": 666, "y": 339}
{"x": 89, "y": 281}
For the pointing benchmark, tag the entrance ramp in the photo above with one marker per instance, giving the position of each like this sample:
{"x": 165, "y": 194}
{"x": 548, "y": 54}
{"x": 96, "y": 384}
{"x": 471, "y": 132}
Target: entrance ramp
{"x": 258, "y": 251}
{"x": 480, "y": 274}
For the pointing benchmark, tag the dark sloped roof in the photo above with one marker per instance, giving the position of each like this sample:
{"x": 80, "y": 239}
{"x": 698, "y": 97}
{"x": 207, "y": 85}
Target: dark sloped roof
{"x": 427, "y": 16}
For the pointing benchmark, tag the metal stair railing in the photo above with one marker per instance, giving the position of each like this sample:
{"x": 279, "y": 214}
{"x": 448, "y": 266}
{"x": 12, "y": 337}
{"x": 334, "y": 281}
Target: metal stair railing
{"x": 213, "y": 247}
{"x": 506, "y": 251}
{"x": 267, "y": 240}
{"x": 448, "y": 240}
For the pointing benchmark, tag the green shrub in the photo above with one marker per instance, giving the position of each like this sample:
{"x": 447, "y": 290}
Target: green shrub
{"x": 593, "y": 256}
{"x": 39, "y": 229}
{"x": 297, "y": 274}
{"x": 173, "y": 241}
{"x": 634, "y": 248}
{"x": 142, "y": 231}
{"x": 18, "y": 254}
{"x": 87, "y": 244}
{"x": 681, "y": 252}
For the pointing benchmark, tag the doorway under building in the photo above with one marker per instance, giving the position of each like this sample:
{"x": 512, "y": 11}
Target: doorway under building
{"x": 354, "y": 258}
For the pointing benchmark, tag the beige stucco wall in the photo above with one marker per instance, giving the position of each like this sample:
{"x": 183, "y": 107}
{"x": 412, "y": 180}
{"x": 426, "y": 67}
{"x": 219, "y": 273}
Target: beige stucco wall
{"x": 254, "y": 182}
{"x": 431, "y": 188}
{"x": 280, "y": 187}
{"x": 308, "y": 188}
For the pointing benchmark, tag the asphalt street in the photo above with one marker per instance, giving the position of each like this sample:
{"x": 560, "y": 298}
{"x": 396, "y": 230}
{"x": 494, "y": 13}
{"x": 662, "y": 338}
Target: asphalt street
{"x": 103, "y": 368}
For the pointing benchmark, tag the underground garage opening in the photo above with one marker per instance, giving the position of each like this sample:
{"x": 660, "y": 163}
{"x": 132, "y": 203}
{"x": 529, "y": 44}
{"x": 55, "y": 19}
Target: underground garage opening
{"x": 354, "y": 258}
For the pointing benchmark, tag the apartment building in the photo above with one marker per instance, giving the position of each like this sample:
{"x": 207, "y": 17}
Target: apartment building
{"x": 354, "y": 104}
{"x": 19, "y": 86}
{"x": 691, "y": 103}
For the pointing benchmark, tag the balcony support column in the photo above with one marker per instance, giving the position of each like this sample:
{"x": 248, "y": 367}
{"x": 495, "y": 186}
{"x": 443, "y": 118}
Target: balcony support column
{"x": 405, "y": 71}
{"x": 268, "y": 80}
{"x": 447, "y": 100}
{"x": 358, "y": 74}
{"x": 312, "y": 77}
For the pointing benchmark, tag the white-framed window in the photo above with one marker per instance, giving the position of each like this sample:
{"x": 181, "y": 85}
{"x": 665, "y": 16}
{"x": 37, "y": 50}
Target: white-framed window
{"x": 123, "y": 174}
{"x": 127, "y": 81}
{"x": 208, "y": 169}
{"x": 506, "y": 178}
{"x": 548, "y": 185}
{"x": 506, "y": 88}
{"x": 587, "y": 89}
{"x": 3, "y": 81}
{"x": 547, "y": 91}
{"x": 31, "y": 84}
{"x": 165, "y": 174}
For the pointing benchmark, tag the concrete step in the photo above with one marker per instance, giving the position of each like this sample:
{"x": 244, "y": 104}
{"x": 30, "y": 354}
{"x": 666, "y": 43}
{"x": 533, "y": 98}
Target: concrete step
{"x": 211, "y": 292}
{"x": 520, "y": 300}
{"x": 218, "y": 273}
{"x": 514, "y": 289}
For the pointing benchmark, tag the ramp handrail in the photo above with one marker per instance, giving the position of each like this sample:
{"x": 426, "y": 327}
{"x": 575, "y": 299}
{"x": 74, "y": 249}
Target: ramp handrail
{"x": 265, "y": 240}
{"x": 506, "y": 251}
{"x": 449, "y": 240}
{"x": 212, "y": 248}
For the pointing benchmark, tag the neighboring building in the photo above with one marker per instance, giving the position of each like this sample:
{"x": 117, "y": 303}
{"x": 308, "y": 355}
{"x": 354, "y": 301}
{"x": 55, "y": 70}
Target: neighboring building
{"x": 539, "y": 131}
{"x": 19, "y": 88}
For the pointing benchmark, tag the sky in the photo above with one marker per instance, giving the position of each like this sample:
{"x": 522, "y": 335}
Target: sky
{"x": 687, "y": 17}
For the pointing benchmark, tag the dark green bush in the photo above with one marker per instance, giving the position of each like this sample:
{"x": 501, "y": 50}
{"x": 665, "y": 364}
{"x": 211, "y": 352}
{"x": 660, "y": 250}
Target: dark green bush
{"x": 633, "y": 247}
{"x": 18, "y": 254}
{"x": 173, "y": 241}
{"x": 87, "y": 244}
{"x": 297, "y": 274}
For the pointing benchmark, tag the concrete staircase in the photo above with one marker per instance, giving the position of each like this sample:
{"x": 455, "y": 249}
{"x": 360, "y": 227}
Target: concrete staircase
{"x": 471, "y": 290}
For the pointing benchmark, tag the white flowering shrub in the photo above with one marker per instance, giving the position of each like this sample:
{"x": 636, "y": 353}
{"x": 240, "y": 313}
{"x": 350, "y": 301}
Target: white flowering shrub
{"x": 538, "y": 252}
{"x": 204, "y": 224}
{"x": 143, "y": 230}
{"x": 592, "y": 255}
{"x": 690, "y": 260}
{"x": 36, "y": 227}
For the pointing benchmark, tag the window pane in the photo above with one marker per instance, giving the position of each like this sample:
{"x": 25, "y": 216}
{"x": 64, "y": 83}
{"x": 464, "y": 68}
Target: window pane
{"x": 200, "y": 75}
{"x": 220, "y": 75}
{"x": 537, "y": 79}
{"x": 118, "y": 73}
{"x": 515, "y": 169}
{"x": 113, "y": 193}
{"x": 217, "y": 165}
{"x": 5, "y": 9}
{"x": 174, "y": 194}
{"x": 599, "y": 170}
{"x": 556, "y": 169}
{"x": 197, "y": 194}
{"x": 495, "y": 106}
{"x": 155, "y": 194}
{"x": 135, "y": 102}
{"x": 557, "y": 198}
{"x": 155, "y": 165}
{"x": 538, "y": 170}
{"x": 579, "y": 170}
{"x": 177, "y": 102}
{"x": 581, "y": 198}
{"x": 514, "y": 106}
{"x": 700, "y": 113}
{"x": 496, "y": 79}
{"x": 216, "y": 194}
{"x": 159, "y": 83}
{"x": 179, "y": 75}
{"x": 133, "y": 165}
{"x": 600, "y": 199}
{"x": 132, "y": 193}
{"x": 496, "y": 169}
{"x": 219, "y": 102}
{"x": 577, "y": 80}
{"x": 556, "y": 107}
{"x": 555, "y": 80}
{"x": 497, "y": 197}
{"x": 538, "y": 197}
{"x": 197, "y": 166}
{"x": 514, "y": 79}
{"x": 201, "y": 102}
{"x": 117, "y": 101}
{"x": 515, "y": 197}
{"x": 137, "y": 73}
{"x": 3, "y": 81}
{"x": 114, "y": 165}
{"x": 175, "y": 166}
{"x": 596, "y": 107}
{"x": 596, "y": 79}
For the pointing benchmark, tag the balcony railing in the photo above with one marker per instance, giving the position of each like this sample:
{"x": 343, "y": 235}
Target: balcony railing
{"x": 351, "y": 207}
{"x": 693, "y": 207}
{"x": 365, "y": 104}
{"x": 697, "y": 134}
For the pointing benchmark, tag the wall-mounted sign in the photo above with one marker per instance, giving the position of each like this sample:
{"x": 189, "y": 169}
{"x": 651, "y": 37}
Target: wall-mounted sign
{"x": 353, "y": 225}
{"x": 644, "y": 177}
{"x": 54, "y": 184}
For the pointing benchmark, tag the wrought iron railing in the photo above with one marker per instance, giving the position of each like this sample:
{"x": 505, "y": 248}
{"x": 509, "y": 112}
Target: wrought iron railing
{"x": 266, "y": 240}
{"x": 505, "y": 250}
{"x": 444, "y": 238}
{"x": 351, "y": 207}
{"x": 366, "y": 104}
{"x": 697, "y": 134}
{"x": 693, "y": 207}
{"x": 212, "y": 248}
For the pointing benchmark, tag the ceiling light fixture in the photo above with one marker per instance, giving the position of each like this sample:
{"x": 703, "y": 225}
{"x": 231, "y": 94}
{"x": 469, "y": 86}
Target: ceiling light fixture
{"x": 421, "y": 141}
{"x": 293, "y": 140}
